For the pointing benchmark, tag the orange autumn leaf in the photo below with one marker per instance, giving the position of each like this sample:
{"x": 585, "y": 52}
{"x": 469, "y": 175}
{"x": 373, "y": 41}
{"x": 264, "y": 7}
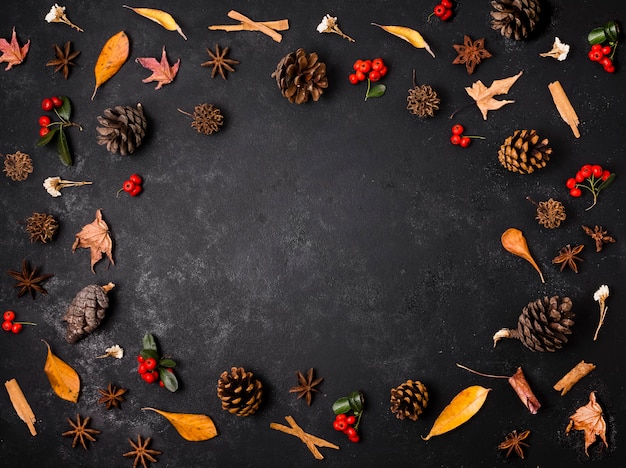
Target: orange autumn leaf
{"x": 64, "y": 380}
{"x": 589, "y": 418}
{"x": 112, "y": 56}
{"x": 95, "y": 236}
{"x": 12, "y": 53}
{"x": 484, "y": 96}
{"x": 192, "y": 427}
{"x": 162, "y": 73}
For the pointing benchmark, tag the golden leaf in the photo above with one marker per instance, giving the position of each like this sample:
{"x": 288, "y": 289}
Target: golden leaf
{"x": 95, "y": 236}
{"x": 193, "y": 427}
{"x": 410, "y": 35}
{"x": 462, "y": 407}
{"x": 112, "y": 56}
{"x": 589, "y": 418}
{"x": 63, "y": 378}
{"x": 514, "y": 242}
{"x": 160, "y": 17}
{"x": 484, "y": 96}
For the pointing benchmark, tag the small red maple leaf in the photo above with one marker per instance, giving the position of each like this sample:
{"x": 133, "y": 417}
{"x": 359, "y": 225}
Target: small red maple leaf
{"x": 162, "y": 73}
{"x": 12, "y": 53}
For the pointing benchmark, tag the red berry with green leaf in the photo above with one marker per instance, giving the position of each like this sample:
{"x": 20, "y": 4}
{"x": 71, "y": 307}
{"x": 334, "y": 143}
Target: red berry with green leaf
{"x": 162, "y": 370}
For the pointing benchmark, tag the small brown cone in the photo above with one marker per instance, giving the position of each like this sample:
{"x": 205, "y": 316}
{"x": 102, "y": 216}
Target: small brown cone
{"x": 239, "y": 391}
{"x": 301, "y": 76}
{"x": 122, "y": 129}
{"x": 409, "y": 400}
{"x": 550, "y": 214}
{"x": 515, "y": 19}
{"x": 524, "y": 152}
{"x": 41, "y": 227}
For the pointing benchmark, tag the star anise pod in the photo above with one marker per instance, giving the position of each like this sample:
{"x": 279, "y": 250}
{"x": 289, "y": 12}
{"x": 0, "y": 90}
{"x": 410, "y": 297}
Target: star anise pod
{"x": 599, "y": 235}
{"x": 80, "y": 431}
{"x": 64, "y": 59}
{"x": 513, "y": 441}
{"x": 306, "y": 385}
{"x": 141, "y": 452}
{"x": 112, "y": 397}
{"x": 219, "y": 62}
{"x": 471, "y": 53}
{"x": 567, "y": 256}
{"x": 28, "y": 281}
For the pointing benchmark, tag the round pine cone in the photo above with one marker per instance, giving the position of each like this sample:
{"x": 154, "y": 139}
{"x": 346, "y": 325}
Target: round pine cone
{"x": 239, "y": 391}
{"x": 524, "y": 152}
{"x": 551, "y": 213}
{"x": 300, "y": 75}
{"x": 409, "y": 400}
{"x": 18, "y": 166}
{"x": 515, "y": 19}
{"x": 41, "y": 227}
{"x": 422, "y": 101}
{"x": 122, "y": 129}
{"x": 543, "y": 324}
{"x": 207, "y": 119}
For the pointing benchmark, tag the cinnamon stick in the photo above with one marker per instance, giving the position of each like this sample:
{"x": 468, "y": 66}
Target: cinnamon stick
{"x": 279, "y": 25}
{"x": 564, "y": 106}
{"x": 258, "y": 26}
{"x": 22, "y": 408}
{"x": 573, "y": 376}
{"x": 311, "y": 441}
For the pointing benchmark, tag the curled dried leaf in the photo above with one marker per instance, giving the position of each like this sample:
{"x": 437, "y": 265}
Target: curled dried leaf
{"x": 95, "y": 236}
{"x": 514, "y": 242}
{"x": 589, "y": 418}
{"x": 573, "y": 376}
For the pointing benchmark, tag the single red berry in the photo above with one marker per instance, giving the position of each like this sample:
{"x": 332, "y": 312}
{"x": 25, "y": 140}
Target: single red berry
{"x": 465, "y": 142}
{"x": 161, "y": 384}
{"x": 354, "y": 439}
{"x": 9, "y": 315}
{"x": 340, "y": 425}
{"x": 43, "y": 131}
{"x": 447, "y": 15}
{"x": 579, "y": 177}
{"x": 606, "y": 50}
{"x": 352, "y": 78}
{"x": 360, "y": 75}
{"x": 575, "y": 192}
{"x": 44, "y": 121}
{"x": 142, "y": 368}
{"x": 595, "y": 55}
{"x": 439, "y": 10}
{"x": 365, "y": 66}
{"x": 605, "y": 175}
{"x": 383, "y": 71}
{"x": 128, "y": 186}
{"x": 377, "y": 64}
{"x": 455, "y": 139}
{"x": 170, "y": 370}
{"x": 585, "y": 171}
{"x": 606, "y": 62}
{"x": 150, "y": 363}
{"x": 610, "y": 69}
{"x": 56, "y": 101}
{"x": 350, "y": 431}
{"x": 148, "y": 377}
{"x": 16, "y": 328}
{"x": 457, "y": 129}
{"x": 447, "y": 3}
{"x": 357, "y": 65}
{"x": 136, "y": 178}
{"x": 140, "y": 359}
{"x": 46, "y": 104}
{"x": 136, "y": 191}
{"x": 155, "y": 374}
{"x": 596, "y": 170}
{"x": 7, "y": 325}
{"x": 571, "y": 183}
{"x": 351, "y": 420}
{"x": 341, "y": 417}
{"x": 596, "y": 47}
{"x": 374, "y": 76}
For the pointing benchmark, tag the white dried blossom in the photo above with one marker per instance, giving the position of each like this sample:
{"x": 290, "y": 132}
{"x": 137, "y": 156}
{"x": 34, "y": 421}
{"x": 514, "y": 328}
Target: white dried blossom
{"x": 54, "y": 185}
{"x": 601, "y": 294}
{"x": 114, "y": 351}
{"x": 57, "y": 15}
{"x": 329, "y": 25}
{"x": 600, "y": 297}
{"x": 559, "y": 50}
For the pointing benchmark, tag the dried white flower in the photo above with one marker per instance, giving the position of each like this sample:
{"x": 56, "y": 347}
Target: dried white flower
{"x": 559, "y": 50}
{"x": 54, "y": 185}
{"x": 600, "y": 297}
{"x": 329, "y": 25}
{"x": 114, "y": 351}
{"x": 57, "y": 15}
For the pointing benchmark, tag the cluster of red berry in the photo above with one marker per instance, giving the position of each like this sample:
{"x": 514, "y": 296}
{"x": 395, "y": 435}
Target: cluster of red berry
{"x": 132, "y": 185}
{"x": 458, "y": 138}
{"x": 345, "y": 424}
{"x": 373, "y": 70}
{"x": 589, "y": 173}
{"x": 9, "y": 324}
{"x": 602, "y": 55}
{"x": 148, "y": 370}
{"x": 443, "y": 10}
{"x": 44, "y": 121}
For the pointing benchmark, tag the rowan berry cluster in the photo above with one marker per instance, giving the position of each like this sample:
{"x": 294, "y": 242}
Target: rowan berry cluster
{"x": 48, "y": 104}
{"x": 458, "y": 138}
{"x": 10, "y": 325}
{"x": 443, "y": 10}
{"x": 372, "y": 70}
{"x": 590, "y": 177}
{"x": 132, "y": 185}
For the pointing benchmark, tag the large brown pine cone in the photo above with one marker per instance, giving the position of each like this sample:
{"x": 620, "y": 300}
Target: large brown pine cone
{"x": 300, "y": 75}
{"x": 543, "y": 324}
{"x": 239, "y": 391}
{"x": 122, "y": 129}
{"x": 515, "y": 19}
{"x": 409, "y": 400}
{"x": 524, "y": 152}
{"x": 86, "y": 311}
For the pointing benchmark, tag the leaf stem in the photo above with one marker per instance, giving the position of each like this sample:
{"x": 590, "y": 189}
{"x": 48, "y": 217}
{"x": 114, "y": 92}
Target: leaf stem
{"x": 480, "y": 373}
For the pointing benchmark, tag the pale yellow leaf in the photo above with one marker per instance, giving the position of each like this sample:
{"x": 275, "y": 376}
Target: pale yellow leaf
{"x": 193, "y": 427}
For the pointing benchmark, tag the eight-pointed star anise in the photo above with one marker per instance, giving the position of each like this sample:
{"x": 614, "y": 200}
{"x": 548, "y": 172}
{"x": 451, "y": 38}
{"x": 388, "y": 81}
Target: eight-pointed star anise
{"x": 80, "y": 431}
{"x": 470, "y": 53}
{"x": 514, "y": 442}
{"x": 28, "y": 281}
{"x": 306, "y": 385}
{"x": 141, "y": 452}
{"x": 112, "y": 396}
{"x": 599, "y": 235}
{"x": 567, "y": 256}
{"x": 219, "y": 62}
{"x": 64, "y": 59}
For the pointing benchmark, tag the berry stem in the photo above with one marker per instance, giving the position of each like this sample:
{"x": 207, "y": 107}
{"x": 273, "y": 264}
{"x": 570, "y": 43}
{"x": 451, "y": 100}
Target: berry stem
{"x": 26, "y": 323}
{"x": 473, "y": 136}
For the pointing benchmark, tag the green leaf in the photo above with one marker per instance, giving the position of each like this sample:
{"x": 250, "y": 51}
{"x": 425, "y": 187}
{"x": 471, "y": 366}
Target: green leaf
{"x": 341, "y": 406}
{"x": 65, "y": 111}
{"x": 356, "y": 401}
{"x": 63, "y": 149}
{"x": 611, "y": 30}
{"x": 47, "y": 138}
{"x": 596, "y": 36}
{"x": 606, "y": 183}
{"x": 169, "y": 379}
{"x": 375, "y": 91}
{"x": 149, "y": 353}
{"x": 167, "y": 363}
{"x": 149, "y": 343}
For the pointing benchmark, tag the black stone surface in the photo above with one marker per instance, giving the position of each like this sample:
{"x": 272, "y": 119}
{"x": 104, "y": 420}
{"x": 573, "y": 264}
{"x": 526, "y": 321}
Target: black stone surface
{"x": 343, "y": 235}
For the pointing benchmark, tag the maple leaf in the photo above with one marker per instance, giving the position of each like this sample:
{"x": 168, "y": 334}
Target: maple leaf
{"x": 161, "y": 71}
{"x": 95, "y": 236}
{"x": 484, "y": 96}
{"x": 589, "y": 418}
{"x": 12, "y": 53}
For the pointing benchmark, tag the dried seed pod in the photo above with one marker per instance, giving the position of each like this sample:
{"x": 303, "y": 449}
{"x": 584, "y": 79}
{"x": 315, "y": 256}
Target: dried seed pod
{"x": 550, "y": 214}
{"x": 41, "y": 227}
{"x": 86, "y": 311}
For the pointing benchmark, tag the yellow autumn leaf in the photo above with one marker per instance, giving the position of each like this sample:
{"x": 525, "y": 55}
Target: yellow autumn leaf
{"x": 112, "y": 56}
{"x": 193, "y": 427}
{"x": 462, "y": 407}
{"x": 412, "y": 36}
{"x": 64, "y": 380}
{"x": 160, "y": 17}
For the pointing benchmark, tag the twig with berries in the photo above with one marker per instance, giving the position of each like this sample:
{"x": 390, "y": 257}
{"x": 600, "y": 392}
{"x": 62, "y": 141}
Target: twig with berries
{"x": 10, "y": 325}
{"x": 603, "y": 42}
{"x": 458, "y": 138}
{"x": 349, "y": 424}
{"x": 443, "y": 10}
{"x": 591, "y": 177}
{"x": 373, "y": 70}
{"x": 154, "y": 368}
{"x": 48, "y": 129}
{"x": 132, "y": 185}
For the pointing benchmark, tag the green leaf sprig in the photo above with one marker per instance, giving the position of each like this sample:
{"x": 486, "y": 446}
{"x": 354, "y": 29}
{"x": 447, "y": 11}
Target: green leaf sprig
{"x": 56, "y": 128}
{"x": 354, "y": 402}
{"x": 607, "y": 33}
{"x": 595, "y": 185}
{"x": 374, "y": 91}
{"x": 150, "y": 350}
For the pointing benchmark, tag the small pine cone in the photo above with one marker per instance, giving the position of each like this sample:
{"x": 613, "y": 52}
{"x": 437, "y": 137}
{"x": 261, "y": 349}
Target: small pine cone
{"x": 207, "y": 119}
{"x": 551, "y": 213}
{"x": 409, "y": 400}
{"x": 122, "y": 129}
{"x": 422, "y": 101}
{"x": 300, "y": 75}
{"x": 86, "y": 311}
{"x": 41, "y": 227}
{"x": 18, "y": 166}
{"x": 543, "y": 324}
{"x": 515, "y": 19}
{"x": 524, "y": 152}
{"x": 239, "y": 391}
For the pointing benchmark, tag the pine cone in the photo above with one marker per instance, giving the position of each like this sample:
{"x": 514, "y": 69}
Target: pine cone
{"x": 524, "y": 152}
{"x": 239, "y": 391}
{"x": 86, "y": 311}
{"x": 41, "y": 227}
{"x": 300, "y": 75}
{"x": 207, "y": 119}
{"x": 122, "y": 129}
{"x": 543, "y": 324}
{"x": 551, "y": 213}
{"x": 18, "y": 166}
{"x": 409, "y": 400}
{"x": 422, "y": 101}
{"x": 515, "y": 19}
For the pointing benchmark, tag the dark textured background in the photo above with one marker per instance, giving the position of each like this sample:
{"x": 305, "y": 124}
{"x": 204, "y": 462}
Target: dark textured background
{"x": 343, "y": 235}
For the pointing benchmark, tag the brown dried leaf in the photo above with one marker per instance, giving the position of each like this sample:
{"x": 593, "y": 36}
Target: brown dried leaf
{"x": 12, "y": 53}
{"x": 589, "y": 418}
{"x": 95, "y": 236}
{"x": 514, "y": 242}
{"x": 64, "y": 380}
{"x": 162, "y": 73}
{"x": 484, "y": 96}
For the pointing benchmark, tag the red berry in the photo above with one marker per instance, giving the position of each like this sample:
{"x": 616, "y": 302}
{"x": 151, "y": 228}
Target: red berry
{"x": 374, "y": 76}
{"x": 465, "y": 142}
{"x": 455, "y": 139}
{"x": 571, "y": 183}
{"x": 357, "y": 65}
{"x": 377, "y": 64}
{"x": 447, "y": 3}
{"x": 150, "y": 363}
{"x": 136, "y": 178}
{"x": 136, "y": 191}
{"x": 439, "y": 10}
{"x": 360, "y": 75}
{"x": 351, "y": 420}
{"x": 383, "y": 71}
{"x": 17, "y": 328}
{"x": 44, "y": 121}
{"x": 340, "y": 425}
{"x": 128, "y": 186}
{"x": 56, "y": 101}
{"x": 596, "y": 170}
{"x": 350, "y": 431}
{"x": 9, "y": 315}
{"x": 446, "y": 16}
{"x": 155, "y": 374}
{"x": 140, "y": 359}
{"x": 606, "y": 62}
{"x": 575, "y": 192}
{"x": 352, "y": 78}
{"x": 365, "y": 66}
{"x": 142, "y": 368}
{"x": 596, "y": 47}
{"x": 354, "y": 439}
{"x": 585, "y": 171}
{"x": 161, "y": 384}
{"x": 609, "y": 69}
{"x": 7, "y": 325}
{"x": 170, "y": 370}
{"x": 148, "y": 377}
{"x": 43, "y": 131}
{"x": 606, "y": 50}
{"x": 341, "y": 417}
{"x": 46, "y": 104}
{"x": 579, "y": 177}
{"x": 457, "y": 129}
{"x": 595, "y": 55}
{"x": 605, "y": 174}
